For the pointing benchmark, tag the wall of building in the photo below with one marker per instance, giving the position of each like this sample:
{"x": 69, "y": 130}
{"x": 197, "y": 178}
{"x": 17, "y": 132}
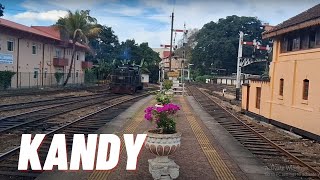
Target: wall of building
{"x": 145, "y": 78}
{"x": 37, "y": 69}
{"x": 290, "y": 108}
{"x": 229, "y": 81}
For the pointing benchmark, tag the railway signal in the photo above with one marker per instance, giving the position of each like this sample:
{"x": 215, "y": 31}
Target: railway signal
{"x": 242, "y": 62}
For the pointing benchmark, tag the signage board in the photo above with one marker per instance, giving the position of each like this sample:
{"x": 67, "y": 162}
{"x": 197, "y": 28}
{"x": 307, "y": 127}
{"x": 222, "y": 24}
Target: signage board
{"x": 173, "y": 74}
{"x": 6, "y": 58}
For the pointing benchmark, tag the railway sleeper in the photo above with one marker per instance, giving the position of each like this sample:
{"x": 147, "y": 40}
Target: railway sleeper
{"x": 268, "y": 153}
{"x": 270, "y": 149}
{"x": 31, "y": 174}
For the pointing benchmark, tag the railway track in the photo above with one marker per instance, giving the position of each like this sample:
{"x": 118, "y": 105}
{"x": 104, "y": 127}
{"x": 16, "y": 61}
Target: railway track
{"x": 36, "y": 118}
{"x": 36, "y": 91}
{"x": 286, "y": 163}
{"x": 83, "y": 125}
{"x": 46, "y": 102}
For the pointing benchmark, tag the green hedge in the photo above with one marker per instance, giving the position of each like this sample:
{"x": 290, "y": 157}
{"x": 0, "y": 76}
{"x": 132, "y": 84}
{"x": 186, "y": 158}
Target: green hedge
{"x": 203, "y": 78}
{"x": 5, "y": 79}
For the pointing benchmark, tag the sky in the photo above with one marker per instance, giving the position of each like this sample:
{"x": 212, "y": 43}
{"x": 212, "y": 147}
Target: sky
{"x": 149, "y": 20}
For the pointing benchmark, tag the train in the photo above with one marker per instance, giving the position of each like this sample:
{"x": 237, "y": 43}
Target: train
{"x": 126, "y": 79}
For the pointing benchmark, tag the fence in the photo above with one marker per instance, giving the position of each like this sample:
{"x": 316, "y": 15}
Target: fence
{"x": 34, "y": 79}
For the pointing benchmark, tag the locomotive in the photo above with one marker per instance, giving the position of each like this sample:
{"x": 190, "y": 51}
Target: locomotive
{"x": 126, "y": 79}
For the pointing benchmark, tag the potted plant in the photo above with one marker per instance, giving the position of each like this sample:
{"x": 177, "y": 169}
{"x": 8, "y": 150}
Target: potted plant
{"x": 167, "y": 85}
{"x": 163, "y": 141}
{"x": 162, "y": 99}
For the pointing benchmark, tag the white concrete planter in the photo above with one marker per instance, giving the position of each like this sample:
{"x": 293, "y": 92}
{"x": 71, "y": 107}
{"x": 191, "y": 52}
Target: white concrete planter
{"x": 163, "y": 145}
{"x": 158, "y": 105}
{"x": 168, "y": 92}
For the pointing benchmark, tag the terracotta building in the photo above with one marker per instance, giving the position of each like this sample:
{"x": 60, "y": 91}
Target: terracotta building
{"x": 36, "y": 53}
{"x": 290, "y": 97}
{"x": 164, "y": 55}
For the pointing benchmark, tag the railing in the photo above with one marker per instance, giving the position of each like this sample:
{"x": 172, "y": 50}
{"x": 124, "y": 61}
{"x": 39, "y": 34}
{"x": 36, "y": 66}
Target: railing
{"x": 38, "y": 79}
{"x": 86, "y": 65}
{"x": 177, "y": 88}
{"x": 60, "y": 62}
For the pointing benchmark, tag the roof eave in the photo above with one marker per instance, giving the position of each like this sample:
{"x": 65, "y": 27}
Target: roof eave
{"x": 274, "y": 33}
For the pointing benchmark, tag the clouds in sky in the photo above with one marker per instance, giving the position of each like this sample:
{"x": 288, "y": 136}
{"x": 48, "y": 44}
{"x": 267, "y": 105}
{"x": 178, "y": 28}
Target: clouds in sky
{"x": 149, "y": 20}
{"x": 52, "y": 15}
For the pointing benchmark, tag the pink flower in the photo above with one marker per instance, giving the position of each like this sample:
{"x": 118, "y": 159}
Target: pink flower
{"x": 148, "y": 116}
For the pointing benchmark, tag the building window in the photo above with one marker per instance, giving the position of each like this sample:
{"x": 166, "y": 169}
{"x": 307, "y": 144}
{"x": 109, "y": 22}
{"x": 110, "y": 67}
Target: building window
{"x": 34, "y": 49}
{"x": 290, "y": 44}
{"x": 77, "y": 56}
{"x": 318, "y": 38}
{"x": 281, "y": 87}
{"x": 304, "y": 42}
{"x": 35, "y": 74}
{"x": 305, "y": 91}
{"x": 312, "y": 39}
{"x": 258, "y": 97}
{"x": 10, "y": 46}
{"x": 58, "y": 53}
{"x": 296, "y": 43}
{"x": 304, "y": 39}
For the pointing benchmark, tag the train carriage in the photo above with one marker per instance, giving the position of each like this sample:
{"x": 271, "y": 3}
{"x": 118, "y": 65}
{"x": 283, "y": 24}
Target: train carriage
{"x": 126, "y": 80}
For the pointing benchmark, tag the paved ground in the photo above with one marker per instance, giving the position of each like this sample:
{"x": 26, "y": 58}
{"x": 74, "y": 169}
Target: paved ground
{"x": 207, "y": 150}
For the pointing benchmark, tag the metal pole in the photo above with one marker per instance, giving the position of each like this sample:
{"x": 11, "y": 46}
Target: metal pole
{"x": 189, "y": 73}
{"x": 238, "y": 66}
{"x": 18, "y": 56}
{"x": 182, "y": 77}
{"x": 181, "y": 74}
{"x": 159, "y": 73}
{"x": 172, "y": 16}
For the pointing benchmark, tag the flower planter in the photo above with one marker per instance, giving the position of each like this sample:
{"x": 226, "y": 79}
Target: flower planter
{"x": 163, "y": 145}
{"x": 170, "y": 92}
{"x": 158, "y": 105}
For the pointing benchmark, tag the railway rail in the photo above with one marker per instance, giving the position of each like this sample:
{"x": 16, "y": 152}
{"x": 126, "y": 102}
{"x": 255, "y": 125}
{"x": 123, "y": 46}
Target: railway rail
{"x": 46, "y": 102}
{"x": 83, "y": 125}
{"x": 35, "y": 118}
{"x": 36, "y": 91}
{"x": 284, "y": 162}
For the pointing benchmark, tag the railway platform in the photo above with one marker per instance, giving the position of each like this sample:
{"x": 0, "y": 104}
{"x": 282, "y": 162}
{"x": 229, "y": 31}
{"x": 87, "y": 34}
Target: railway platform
{"x": 207, "y": 150}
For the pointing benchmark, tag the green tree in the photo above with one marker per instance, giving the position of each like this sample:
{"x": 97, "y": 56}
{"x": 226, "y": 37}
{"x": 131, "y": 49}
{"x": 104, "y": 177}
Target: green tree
{"x": 217, "y": 45}
{"x": 132, "y": 53}
{"x": 105, "y": 46}
{"x": 1, "y": 9}
{"x": 77, "y": 26}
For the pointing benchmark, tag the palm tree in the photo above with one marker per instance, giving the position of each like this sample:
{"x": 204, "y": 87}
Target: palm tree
{"x": 78, "y": 27}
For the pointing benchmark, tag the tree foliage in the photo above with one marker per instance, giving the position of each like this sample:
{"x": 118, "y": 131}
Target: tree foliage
{"x": 217, "y": 45}
{"x": 77, "y": 26}
{"x": 5, "y": 79}
{"x": 105, "y": 46}
{"x": 1, "y": 9}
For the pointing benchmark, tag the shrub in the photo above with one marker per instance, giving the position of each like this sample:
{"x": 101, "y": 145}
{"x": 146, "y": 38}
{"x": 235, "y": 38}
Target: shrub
{"x": 5, "y": 79}
{"x": 163, "y": 98}
{"x": 167, "y": 84}
{"x": 203, "y": 78}
{"x": 163, "y": 117}
{"x": 58, "y": 76}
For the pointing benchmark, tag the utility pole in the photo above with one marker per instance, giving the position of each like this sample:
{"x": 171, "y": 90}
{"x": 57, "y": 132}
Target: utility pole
{"x": 170, "y": 56}
{"x": 239, "y": 67}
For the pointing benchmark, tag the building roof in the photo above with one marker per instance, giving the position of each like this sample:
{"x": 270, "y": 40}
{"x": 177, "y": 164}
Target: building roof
{"x": 49, "y": 30}
{"x": 310, "y": 17}
{"x": 52, "y": 31}
{"x": 20, "y": 27}
{"x": 43, "y": 31}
